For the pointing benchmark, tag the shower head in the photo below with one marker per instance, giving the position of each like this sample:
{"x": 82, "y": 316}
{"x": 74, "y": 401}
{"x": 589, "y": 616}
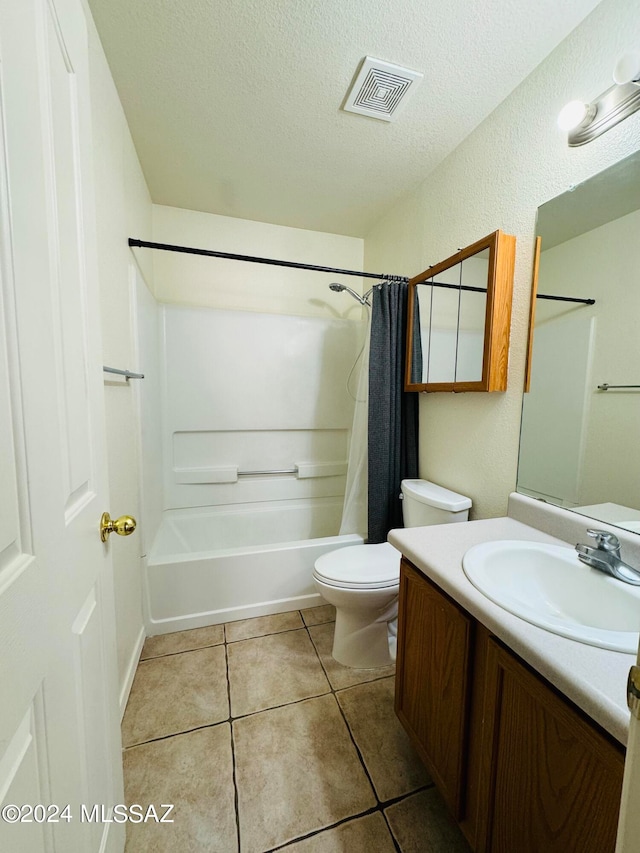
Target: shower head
{"x": 338, "y": 288}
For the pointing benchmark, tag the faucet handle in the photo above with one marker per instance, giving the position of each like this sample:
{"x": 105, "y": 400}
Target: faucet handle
{"x": 604, "y": 540}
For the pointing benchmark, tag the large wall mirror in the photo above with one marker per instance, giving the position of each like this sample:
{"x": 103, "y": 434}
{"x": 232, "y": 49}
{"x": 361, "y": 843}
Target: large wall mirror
{"x": 459, "y": 319}
{"x": 579, "y": 445}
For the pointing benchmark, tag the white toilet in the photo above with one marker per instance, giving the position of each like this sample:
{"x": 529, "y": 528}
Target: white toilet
{"x": 362, "y": 581}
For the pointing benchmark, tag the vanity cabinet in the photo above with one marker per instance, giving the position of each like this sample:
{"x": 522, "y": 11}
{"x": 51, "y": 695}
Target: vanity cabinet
{"x": 432, "y": 687}
{"x": 521, "y": 768}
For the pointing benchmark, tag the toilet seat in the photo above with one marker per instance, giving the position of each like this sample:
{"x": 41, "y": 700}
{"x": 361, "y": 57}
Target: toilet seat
{"x": 360, "y": 567}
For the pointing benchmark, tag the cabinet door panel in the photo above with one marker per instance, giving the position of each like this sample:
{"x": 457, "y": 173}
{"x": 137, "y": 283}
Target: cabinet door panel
{"x": 555, "y": 780}
{"x": 432, "y": 682}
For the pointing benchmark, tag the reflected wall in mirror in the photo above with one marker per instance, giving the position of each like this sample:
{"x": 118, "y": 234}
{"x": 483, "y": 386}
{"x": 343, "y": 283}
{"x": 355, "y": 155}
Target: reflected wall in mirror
{"x": 579, "y": 442}
{"x": 459, "y": 319}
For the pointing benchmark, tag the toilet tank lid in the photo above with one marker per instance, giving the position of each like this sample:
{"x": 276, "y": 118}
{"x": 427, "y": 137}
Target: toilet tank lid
{"x": 436, "y": 496}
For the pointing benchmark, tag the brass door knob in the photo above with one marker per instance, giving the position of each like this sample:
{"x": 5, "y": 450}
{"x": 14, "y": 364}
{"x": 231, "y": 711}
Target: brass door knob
{"x": 123, "y": 526}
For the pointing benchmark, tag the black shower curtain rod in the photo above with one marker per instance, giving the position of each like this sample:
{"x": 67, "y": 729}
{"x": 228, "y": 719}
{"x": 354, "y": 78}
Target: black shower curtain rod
{"x": 187, "y": 250}
{"x": 209, "y": 253}
{"x": 566, "y": 299}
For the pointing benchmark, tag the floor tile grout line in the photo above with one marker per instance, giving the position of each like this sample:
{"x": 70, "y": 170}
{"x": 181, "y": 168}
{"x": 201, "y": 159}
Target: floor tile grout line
{"x": 283, "y": 705}
{"x": 357, "y": 748}
{"x": 236, "y": 803}
{"x": 349, "y": 686}
{"x": 381, "y": 805}
{"x": 378, "y": 808}
{"x": 324, "y": 669}
{"x": 180, "y": 651}
{"x": 226, "y": 641}
{"x": 268, "y": 634}
{"x": 392, "y": 801}
{"x": 297, "y": 839}
{"x": 335, "y": 691}
{"x": 177, "y": 734}
{"x": 392, "y": 834}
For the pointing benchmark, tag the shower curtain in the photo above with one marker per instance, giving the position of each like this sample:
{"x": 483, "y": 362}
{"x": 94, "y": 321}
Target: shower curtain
{"x": 393, "y": 413}
{"x": 384, "y": 436}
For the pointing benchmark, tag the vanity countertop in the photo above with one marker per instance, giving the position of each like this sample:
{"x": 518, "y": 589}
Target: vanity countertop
{"x": 594, "y": 679}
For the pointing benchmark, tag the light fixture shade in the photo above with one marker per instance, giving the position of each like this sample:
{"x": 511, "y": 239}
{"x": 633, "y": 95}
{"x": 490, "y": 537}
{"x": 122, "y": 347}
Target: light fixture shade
{"x": 572, "y": 115}
{"x": 627, "y": 69}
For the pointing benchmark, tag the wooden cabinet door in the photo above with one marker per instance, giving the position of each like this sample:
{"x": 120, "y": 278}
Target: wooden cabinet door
{"x": 553, "y": 780}
{"x": 434, "y": 637}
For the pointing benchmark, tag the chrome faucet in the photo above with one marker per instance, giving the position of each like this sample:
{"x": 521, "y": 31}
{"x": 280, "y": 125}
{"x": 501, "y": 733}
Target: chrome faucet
{"x": 606, "y": 557}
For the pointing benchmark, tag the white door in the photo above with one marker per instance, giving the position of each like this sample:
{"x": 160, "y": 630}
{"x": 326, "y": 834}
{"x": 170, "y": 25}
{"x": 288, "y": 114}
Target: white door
{"x": 628, "y": 840}
{"x": 59, "y": 739}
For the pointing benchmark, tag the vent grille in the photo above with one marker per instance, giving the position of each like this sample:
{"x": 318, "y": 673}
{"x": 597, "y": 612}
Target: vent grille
{"x": 381, "y": 89}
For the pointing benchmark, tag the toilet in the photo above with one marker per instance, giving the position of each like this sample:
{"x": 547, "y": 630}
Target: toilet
{"x": 362, "y": 581}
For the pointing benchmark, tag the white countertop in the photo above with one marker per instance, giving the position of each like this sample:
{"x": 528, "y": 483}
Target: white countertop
{"x": 594, "y": 679}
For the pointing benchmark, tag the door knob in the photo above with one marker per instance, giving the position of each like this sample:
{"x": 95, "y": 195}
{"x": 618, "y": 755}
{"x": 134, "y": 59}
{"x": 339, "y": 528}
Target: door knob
{"x": 123, "y": 526}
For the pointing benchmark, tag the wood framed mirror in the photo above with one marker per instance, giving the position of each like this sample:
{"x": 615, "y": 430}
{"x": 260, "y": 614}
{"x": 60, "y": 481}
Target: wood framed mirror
{"x": 459, "y": 319}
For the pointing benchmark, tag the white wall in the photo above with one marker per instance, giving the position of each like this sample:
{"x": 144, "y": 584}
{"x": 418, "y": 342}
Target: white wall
{"x": 221, "y": 283}
{"x": 123, "y": 208}
{"x": 513, "y": 162}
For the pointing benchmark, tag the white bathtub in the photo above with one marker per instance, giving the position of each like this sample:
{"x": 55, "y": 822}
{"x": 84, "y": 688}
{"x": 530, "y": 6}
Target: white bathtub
{"x": 220, "y": 564}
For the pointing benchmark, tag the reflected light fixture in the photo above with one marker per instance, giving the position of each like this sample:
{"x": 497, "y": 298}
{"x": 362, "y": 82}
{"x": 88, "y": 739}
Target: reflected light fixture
{"x": 584, "y": 122}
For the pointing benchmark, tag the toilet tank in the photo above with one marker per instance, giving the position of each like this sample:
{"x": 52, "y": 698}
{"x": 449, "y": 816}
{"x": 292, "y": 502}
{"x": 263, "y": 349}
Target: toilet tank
{"x": 426, "y": 503}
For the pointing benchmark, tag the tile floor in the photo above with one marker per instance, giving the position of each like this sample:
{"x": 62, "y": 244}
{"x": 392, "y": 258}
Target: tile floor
{"x": 263, "y": 742}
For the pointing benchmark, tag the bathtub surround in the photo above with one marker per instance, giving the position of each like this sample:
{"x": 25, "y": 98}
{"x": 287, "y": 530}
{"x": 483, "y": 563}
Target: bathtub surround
{"x": 255, "y": 418}
{"x": 255, "y": 414}
{"x": 245, "y": 391}
{"x": 248, "y": 413}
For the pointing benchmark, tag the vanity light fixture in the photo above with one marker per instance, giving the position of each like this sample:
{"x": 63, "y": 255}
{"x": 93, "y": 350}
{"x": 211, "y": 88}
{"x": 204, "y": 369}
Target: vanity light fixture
{"x": 574, "y": 114}
{"x": 584, "y": 122}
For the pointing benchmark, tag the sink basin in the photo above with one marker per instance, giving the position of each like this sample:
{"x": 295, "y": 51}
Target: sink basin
{"x": 548, "y": 586}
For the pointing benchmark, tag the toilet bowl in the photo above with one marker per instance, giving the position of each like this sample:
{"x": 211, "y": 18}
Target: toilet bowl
{"x": 362, "y": 581}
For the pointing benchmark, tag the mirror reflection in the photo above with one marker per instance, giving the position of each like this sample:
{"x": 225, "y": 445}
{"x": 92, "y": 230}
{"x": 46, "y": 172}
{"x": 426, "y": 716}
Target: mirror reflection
{"x": 581, "y": 419}
{"x": 450, "y": 323}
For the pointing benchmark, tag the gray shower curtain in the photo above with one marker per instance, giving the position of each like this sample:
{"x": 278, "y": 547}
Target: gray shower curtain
{"x": 393, "y": 413}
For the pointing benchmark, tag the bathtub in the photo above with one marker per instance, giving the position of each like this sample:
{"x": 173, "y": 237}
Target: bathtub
{"x": 219, "y": 564}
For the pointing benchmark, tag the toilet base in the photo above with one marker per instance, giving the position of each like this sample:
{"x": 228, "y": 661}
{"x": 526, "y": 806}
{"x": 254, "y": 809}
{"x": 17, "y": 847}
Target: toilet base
{"x": 360, "y": 643}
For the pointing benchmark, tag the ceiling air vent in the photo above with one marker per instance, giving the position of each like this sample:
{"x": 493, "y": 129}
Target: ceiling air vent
{"x": 381, "y": 89}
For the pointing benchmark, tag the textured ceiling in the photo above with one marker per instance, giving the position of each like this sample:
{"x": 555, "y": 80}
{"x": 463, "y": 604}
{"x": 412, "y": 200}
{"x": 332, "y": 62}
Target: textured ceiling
{"x": 234, "y": 105}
